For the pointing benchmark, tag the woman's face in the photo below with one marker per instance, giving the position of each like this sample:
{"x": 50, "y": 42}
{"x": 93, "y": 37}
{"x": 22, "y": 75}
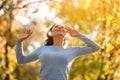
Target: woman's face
{"x": 58, "y": 30}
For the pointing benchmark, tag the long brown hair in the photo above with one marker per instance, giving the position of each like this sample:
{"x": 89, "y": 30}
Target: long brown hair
{"x": 49, "y": 40}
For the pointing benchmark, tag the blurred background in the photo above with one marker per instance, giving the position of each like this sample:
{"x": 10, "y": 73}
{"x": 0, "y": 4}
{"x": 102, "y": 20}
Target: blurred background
{"x": 98, "y": 19}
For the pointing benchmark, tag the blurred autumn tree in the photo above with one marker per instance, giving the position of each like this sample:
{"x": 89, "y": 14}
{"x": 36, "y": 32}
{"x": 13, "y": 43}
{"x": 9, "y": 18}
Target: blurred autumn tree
{"x": 9, "y": 32}
{"x": 99, "y": 19}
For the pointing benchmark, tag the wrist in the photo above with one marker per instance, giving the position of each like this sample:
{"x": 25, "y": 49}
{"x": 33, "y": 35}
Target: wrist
{"x": 77, "y": 35}
{"x": 18, "y": 41}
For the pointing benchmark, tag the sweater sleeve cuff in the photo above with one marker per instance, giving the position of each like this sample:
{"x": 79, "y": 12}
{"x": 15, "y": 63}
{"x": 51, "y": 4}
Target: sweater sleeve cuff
{"x": 80, "y": 36}
{"x": 19, "y": 44}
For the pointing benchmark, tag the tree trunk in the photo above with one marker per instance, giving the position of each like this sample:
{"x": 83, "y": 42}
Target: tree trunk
{"x": 6, "y": 62}
{"x": 17, "y": 73}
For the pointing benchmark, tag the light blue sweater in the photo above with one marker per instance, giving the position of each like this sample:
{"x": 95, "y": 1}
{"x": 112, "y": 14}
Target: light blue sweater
{"x": 56, "y": 60}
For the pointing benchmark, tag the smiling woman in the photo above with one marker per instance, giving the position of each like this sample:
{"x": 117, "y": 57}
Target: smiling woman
{"x": 54, "y": 32}
{"x": 55, "y": 59}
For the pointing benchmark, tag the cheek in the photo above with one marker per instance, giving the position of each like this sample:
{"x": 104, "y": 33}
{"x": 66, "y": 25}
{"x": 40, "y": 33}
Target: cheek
{"x": 53, "y": 33}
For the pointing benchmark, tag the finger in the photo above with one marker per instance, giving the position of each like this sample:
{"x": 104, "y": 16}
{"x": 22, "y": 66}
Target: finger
{"x": 69, "y": 29}
{"x": 25, "y": 32}
{"x": 31, "y": 32}
{"x": 73, "y": 27}
{"x": 28, "y": 31}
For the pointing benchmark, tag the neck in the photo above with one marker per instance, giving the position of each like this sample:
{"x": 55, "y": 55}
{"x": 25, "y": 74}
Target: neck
{"x": 58, "y": 41}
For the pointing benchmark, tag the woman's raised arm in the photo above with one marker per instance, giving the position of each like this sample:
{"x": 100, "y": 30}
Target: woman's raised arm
{"x": 21, "y": 57}
{"x": 91, "y": 46}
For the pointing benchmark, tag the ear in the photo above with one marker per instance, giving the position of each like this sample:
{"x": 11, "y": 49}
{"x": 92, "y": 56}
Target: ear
{"x": 65, "y": 38}
{"x": 64, "y": 41}
{"x": 49, "y": 33}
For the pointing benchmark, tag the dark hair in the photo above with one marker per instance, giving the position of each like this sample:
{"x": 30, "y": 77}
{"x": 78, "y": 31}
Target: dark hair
{"x": 49, "y": 40}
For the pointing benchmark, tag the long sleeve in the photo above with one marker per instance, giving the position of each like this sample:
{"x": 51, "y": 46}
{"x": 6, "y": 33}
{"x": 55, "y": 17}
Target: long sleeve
{"x": 22, "y": 58}
{"x": 90, "y": 47}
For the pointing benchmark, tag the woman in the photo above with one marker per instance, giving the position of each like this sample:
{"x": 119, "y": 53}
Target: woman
{"x": 55, "y": 59}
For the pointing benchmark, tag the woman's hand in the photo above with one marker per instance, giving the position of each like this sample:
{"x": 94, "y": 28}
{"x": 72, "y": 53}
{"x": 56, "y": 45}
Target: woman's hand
{"x": 25, "y": 35}
{"x": 72, "y": 31}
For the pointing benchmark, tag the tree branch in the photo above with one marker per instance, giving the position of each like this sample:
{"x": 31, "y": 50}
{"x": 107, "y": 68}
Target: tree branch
{"x": 3, "y": 4}
{"x": 25, "y": 5}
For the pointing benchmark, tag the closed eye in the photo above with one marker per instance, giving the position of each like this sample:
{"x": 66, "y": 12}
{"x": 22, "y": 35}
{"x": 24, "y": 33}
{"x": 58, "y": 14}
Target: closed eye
{"x": 58, "y": 27}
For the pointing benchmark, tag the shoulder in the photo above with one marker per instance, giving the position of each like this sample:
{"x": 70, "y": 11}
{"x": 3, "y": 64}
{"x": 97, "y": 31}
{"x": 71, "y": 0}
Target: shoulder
{"x": 43, "y": 47}
{"x": 40, "y": 48}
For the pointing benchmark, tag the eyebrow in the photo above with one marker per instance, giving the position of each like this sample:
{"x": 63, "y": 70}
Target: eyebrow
{"x": 59, "y": 25}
